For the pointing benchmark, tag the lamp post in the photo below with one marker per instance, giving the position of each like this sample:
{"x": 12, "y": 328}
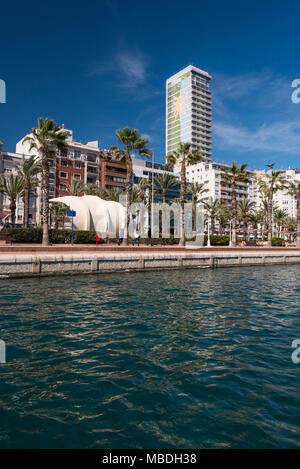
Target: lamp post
{"x": 230, "y": 234}
{"x": 208, "y": 234}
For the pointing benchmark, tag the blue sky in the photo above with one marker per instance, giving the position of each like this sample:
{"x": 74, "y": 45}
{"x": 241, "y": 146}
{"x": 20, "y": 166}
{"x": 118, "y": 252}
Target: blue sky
{"x": 99, "y": 66}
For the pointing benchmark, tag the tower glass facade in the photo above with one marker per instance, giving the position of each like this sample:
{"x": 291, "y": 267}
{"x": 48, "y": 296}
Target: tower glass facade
{"x": 188, "y": 110}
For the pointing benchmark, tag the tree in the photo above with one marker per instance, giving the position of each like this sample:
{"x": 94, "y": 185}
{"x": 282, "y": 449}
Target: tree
{"x": 90, "y": 189}
{"x": 294, "y": 191}
{"x": 131, "y": 140}
{"x": 280, "y": 218}
{"x": 291, "y": 225}
{"x": 28, "y": 171}
{"x": 245, "y": 208}
{"x": 233, "y": 176}
{"x": 110, "y": 194}
{"x": 223, "y": 216}
{"x": 196, "y": 189}
{"x": 164, "y": 182}
{"x": 212, "y": 206}
{"x": 144, "y": 186}
{"x": 263, "y": 194}
{"x": 76, "y": 187}
{"x": 46, "y": 139}
{"x": 273, "y": 182}
{"x": 12, "y": 187}
{"x": 58, "y": 213}
{"x": 256, "y": 218}
{"x": 184, "y": 156}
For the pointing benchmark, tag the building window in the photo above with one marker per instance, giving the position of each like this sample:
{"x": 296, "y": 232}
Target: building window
{"x": 77, "y": 165}
{"x": 77, "y": 176}
{"x": 63, "y": 175}
{"x": 63, "y": 163}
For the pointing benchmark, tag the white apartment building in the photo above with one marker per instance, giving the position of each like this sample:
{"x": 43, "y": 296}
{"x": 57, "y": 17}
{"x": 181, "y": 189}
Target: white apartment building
{"x": 282, "y": 200}
{"x": 189, "y": 110}
{"x": 210, "y": 174}
{"x": 149, "y": 170}
{"x": 8, "y": 165}
{"x": 145, "y": 169}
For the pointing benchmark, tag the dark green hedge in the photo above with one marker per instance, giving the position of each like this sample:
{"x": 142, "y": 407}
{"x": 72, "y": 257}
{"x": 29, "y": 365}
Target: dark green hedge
{"x": 277, "y": 241}
{"x": 34, "y": 235}
{"x": 217, "y": 240}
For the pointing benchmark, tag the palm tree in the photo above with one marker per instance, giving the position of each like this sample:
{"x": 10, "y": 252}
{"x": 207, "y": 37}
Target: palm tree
{"x": 144, "y": 186}
{"x": 256, "y": 218}
{"x": 46, "y": 138}
{"x": 165, "y": 181}
{"x": 196, "y": 189}
{"x": 58, "y": 213}
{"x": 245, "y": 208}
{"x": 90, "y": 189}
{"x": 274, "y": 182}
{"x": 28, "y": 170}
{"x": 233, "y": 176}
{"x": 184, "y": 156}
{"x": 12, "y": 187}
{"x": 112, "y": 194}
{"x": 131, "y": 140}
{"x": 291, "y": 226}
{"x": 223, "y": 216}
{"x": 212, "y": 206}
{"x": 75, "y": 188}
{"x": 280, "y": 218}
{"x": 264, "y": 192}
{"x": 294, "y": 191}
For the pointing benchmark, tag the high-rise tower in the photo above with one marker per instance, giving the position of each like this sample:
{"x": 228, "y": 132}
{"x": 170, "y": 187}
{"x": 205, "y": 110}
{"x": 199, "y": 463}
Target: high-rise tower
{"x": 188, "y": 110}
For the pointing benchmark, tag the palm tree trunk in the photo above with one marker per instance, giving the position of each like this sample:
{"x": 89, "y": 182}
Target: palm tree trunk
{"x": 45, "y": 199}
{"x": 270, "y": 216}
{"x": 245, "y": 230}
{"x": 164, "y": 195}
{"x": 26, "y": 204}
{"x": 194, "y": 212}
{"x": 12, "y": 208}
{"x": 182, "y": 200}
{"x": 212, "y": 224}
{"x": 128, "y": 196}
{"x": 234, "y": 215}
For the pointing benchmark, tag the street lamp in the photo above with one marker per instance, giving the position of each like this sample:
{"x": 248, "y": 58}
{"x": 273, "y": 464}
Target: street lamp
{"x": 208, "y": 234}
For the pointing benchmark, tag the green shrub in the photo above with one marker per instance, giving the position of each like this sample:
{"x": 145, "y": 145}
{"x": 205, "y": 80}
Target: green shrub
{"x": 35, "y": 235}
{"x": 277, "y": 241}
{"x": 25, "y": 235}
{"x": 217, "y": 240}
{"x": 85, "y": 237}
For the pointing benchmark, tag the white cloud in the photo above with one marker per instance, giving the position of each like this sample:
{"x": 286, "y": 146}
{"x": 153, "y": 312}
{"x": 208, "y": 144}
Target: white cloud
{"x": 278, "y": 137}
{"x": 254, "y": 113}
{"x": 127, "y": 69}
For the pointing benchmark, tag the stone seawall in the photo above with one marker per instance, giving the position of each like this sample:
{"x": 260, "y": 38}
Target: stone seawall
{"x": 58, "y": 264}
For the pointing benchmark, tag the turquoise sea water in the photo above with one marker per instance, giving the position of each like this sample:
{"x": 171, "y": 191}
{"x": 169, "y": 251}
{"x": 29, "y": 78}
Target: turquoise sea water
{"x": 174, "y": 359}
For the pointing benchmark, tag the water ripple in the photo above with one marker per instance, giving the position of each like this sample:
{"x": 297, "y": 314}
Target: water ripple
{"x": 151, "y": 360}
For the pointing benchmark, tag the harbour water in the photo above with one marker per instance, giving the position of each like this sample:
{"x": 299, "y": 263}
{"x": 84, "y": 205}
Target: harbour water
{"x": 173, "y": 359}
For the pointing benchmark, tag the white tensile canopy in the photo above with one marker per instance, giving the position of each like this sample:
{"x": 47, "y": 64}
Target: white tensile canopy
{"x": 92, "y": 213}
